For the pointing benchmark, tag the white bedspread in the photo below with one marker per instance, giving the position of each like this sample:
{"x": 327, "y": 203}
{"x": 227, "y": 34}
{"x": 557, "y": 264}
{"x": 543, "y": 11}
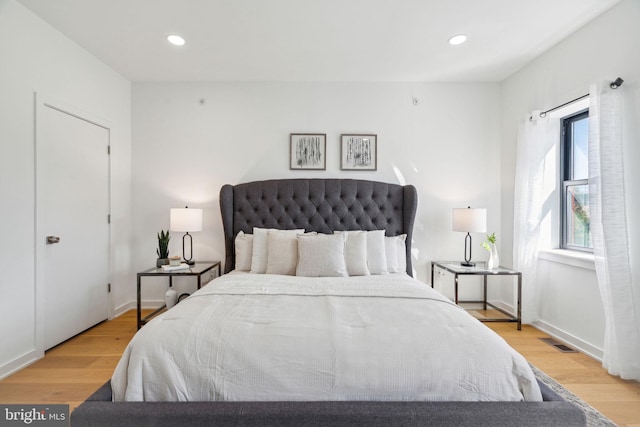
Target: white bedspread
{"x": 254, "y": 337}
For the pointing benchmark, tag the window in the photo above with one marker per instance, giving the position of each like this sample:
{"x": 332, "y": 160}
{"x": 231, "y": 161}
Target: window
{"x": 575, "y": 183}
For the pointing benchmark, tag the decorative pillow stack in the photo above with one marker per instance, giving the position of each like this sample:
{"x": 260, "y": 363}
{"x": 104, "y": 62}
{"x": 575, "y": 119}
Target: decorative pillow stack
{"x": 321, "y": 255}
{"x": 344, "y": 253}
{"x": 279, "y": 240}
{"x": 244, "y": 251}
{"x": 355, "y": 253}
{"x": 396, "y": 251}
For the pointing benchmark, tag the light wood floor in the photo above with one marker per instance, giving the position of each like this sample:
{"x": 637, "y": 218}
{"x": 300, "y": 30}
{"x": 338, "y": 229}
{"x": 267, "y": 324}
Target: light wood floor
{"x": 617, "y": 399}
{"x": 72, "y": 371}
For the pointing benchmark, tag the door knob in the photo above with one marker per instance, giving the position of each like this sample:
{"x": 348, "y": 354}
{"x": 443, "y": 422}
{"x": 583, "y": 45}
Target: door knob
{"x": 52, "y": 239}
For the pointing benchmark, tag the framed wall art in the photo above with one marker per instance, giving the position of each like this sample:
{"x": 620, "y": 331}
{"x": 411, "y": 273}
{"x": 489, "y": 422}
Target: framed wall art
{"x": 358, "y": 152}
{"x": 308, "y": 151}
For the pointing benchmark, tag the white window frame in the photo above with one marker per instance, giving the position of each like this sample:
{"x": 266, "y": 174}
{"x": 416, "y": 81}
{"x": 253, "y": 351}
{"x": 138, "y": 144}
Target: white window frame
{"x": 550, "y": 246}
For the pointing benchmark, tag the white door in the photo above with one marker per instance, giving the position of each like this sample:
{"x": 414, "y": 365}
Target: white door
{"x": 72, "y": 204}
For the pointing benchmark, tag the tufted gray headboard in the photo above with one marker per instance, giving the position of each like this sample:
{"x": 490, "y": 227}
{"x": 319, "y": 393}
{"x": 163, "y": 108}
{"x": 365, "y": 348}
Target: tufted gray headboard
{"x": 322, "y": 205}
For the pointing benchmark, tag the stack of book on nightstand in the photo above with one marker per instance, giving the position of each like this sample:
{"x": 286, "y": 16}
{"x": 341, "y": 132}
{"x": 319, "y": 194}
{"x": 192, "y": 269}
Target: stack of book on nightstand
{"x": 172, "y": 268}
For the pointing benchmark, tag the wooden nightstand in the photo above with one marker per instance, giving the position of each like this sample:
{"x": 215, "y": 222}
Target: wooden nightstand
{"x": 198, "y": 270}
{"x": 458, "y": 270}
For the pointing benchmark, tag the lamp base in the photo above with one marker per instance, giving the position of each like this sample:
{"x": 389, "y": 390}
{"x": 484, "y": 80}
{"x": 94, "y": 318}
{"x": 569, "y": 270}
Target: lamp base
{"x": 467, "y": 258}
{"x": 189, "y": 261}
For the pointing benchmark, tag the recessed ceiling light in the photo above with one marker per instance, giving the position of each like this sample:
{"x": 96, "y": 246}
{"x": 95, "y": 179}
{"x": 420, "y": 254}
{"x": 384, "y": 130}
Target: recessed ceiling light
{"x": 458, "y": 39}
{"x": 175, "y": 39}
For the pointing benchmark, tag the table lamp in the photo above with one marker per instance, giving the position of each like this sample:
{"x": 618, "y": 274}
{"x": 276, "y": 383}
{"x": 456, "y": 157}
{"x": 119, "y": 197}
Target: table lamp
{"x": 186, "y": 220}
{"x": 470, "y": 221}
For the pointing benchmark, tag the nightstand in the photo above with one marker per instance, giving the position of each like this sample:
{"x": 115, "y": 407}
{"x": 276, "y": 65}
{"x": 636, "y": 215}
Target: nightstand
{"x": 198, "y": 270}
{"x": 458, "y": 270}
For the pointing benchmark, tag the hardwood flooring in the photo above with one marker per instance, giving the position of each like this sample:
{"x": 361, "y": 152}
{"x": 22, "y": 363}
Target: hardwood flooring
{"x": 72, "y": 371}
{"x": 617, "y": 399}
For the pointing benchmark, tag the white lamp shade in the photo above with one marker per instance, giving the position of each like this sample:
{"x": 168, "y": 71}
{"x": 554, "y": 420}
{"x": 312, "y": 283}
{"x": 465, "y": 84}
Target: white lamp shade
{"x": 185, "y": 219}
{"x": 470, "y": 220}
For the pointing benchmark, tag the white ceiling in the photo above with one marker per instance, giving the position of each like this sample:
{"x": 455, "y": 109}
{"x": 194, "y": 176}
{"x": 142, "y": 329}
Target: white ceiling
{"x": 317, "y": 40}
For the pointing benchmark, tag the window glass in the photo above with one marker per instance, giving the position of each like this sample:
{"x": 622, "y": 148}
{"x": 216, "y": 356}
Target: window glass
{"x": 575, "y": 183}
{"x": 577, "y": 220}
{"x": 580, "y": 149}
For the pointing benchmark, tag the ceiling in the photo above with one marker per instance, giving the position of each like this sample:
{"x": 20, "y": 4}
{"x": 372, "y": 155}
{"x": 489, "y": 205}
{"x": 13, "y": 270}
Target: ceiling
{"x": 317, "y": 40}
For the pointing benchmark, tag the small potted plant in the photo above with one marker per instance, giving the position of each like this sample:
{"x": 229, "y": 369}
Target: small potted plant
{"x": 490, "y": 245}
{"x": 163, "y": 248}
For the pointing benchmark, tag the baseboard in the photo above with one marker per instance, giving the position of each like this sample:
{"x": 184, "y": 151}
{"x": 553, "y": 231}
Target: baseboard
{"x": 569, "y": 339}
{"x": 21, "y": 362}
{"x": 32, "y": 356}
{"x": 131, "y": 305}
{"x": 117, "y": 311}
{"x": 503, "y": 306}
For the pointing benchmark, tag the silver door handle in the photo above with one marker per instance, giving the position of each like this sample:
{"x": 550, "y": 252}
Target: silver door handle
{"x": 52, "y": 239}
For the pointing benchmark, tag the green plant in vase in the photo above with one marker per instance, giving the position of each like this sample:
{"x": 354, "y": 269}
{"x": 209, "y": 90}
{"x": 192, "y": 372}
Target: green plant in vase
{"x": 163, "y": 248}
{"x": 491, "y": 240}
{"x": 490, "y": 245}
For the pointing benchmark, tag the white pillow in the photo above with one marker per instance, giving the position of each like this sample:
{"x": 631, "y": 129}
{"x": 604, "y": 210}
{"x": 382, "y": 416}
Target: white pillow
{"x": 376, "y": 252}
{"x": 321, "y": 255}
{"x": 261, "y": 249}
{"x": 396, "y": 252}
{"x": 244, "y": 249}
{"x": 355, "y": 253}
{"x": 282, "y": 253}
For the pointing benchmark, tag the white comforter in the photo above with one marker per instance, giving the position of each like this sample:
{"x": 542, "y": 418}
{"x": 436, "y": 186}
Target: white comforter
{"x": 250, "y": 337}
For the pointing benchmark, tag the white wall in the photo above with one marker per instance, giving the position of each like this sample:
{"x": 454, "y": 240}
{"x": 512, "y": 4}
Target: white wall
{"x": 457, "y": 146}
{"x": 604, "y": 49}
{"x": 447, "y": 146}
{"x": 35, "y": 57}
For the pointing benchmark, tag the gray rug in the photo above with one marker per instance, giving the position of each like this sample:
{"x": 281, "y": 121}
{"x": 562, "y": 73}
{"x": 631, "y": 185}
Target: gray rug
{"x": 594, "y": 418}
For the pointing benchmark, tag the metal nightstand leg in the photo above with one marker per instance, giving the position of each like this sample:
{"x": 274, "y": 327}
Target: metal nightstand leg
{"x": 139, "y": 305}
{"x": 484, "y": 298}
{"x": 519, "y": 303}
{"x": 455, "y": 280}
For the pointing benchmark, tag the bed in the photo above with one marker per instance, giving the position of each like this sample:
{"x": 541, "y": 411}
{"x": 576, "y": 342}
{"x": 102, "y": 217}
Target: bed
{"x": 380, "y": 348}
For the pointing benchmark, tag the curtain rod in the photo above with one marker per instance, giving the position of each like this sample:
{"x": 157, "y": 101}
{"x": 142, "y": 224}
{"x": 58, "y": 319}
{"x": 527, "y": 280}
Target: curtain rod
{"x": 613, "y": 85}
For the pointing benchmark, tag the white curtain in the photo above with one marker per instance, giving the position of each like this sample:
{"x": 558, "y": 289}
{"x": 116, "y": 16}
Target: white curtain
{"x": 536, "y": 166}
{"x": 609, "y": 232}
